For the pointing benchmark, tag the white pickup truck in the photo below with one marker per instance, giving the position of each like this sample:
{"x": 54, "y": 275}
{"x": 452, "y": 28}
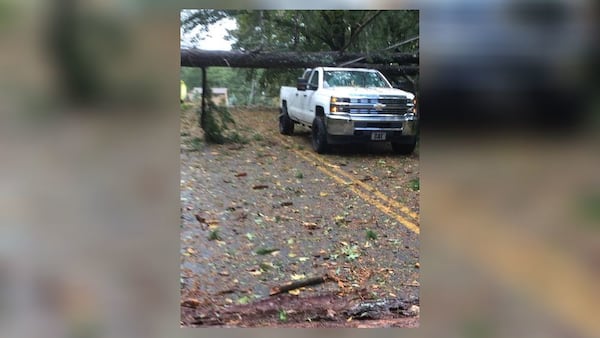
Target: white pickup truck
{"x": 348, "y": 105}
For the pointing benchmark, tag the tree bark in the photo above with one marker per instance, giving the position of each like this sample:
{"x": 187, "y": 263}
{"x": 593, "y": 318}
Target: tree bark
{"x": 205, "y": 58}
{"x": 387, "y": 69}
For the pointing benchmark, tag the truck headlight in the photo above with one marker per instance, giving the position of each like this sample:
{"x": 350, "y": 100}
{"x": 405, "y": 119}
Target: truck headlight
{"x": 414, "y": 106}
{"x": 339, "y": 105}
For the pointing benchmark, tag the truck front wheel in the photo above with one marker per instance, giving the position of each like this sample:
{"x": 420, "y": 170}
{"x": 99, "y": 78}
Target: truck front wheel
{"x": 319, "y": 135}
{"x": 286, "y": 125}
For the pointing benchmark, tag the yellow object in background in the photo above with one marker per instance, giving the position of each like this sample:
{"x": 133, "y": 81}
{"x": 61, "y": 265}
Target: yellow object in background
{"x": 183, "y": 92}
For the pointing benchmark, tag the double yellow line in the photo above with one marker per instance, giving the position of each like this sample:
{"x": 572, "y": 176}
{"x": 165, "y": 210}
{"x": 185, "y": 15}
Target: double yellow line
{"x": 368, "y": 193}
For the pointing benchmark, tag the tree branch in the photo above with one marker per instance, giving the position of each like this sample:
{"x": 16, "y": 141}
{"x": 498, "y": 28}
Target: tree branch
{"x": 298, "y": 284}
{"x": 359, "y": 29}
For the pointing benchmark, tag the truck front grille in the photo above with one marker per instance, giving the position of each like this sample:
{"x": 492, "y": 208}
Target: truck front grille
{"x": 377, "y": 125}
{"x": 379, "y": 105}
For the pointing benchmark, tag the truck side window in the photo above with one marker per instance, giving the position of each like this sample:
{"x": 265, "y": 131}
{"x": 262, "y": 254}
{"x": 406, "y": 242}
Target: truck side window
{"x": 314, "y": 81}
{"x": 307, "y": 73}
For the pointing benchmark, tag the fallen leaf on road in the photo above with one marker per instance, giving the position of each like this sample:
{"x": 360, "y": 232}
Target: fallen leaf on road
{"x": 255, "y": 272}
{"x": 260, "y": 186}
{"x": 297, "y": 276}
{"x": 310, "y": 225}
{"x": 192, "y": 302}
{"x": 266, "y": 251}
{"x": 414, "y": 310}
{"x": 241, "y": 174}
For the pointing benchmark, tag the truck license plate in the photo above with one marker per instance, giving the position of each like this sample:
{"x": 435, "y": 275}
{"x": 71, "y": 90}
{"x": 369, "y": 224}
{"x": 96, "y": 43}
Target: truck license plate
{"x": 378, "y": 136}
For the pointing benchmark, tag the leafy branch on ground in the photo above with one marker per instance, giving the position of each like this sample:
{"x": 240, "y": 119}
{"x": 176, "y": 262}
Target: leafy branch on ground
{"x": 217, "y": 124}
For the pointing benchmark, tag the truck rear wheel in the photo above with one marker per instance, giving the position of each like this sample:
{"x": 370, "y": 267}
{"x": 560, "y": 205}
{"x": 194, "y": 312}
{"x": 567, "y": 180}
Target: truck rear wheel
{"x": 319, "y": 135}
{"x": 286, "y": 125}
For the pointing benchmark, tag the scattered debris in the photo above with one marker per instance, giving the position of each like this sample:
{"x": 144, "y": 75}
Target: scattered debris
{"x": 298, "y": 284}
{"x": 191, "y": 303}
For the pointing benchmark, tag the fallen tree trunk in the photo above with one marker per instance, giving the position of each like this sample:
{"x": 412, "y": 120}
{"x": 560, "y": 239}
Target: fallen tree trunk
{"x": 206, "y": 58}
{"x": 388, "y": 70}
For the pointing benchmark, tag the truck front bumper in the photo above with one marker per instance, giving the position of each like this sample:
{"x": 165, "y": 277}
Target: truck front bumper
{"x": 358, "y": 128}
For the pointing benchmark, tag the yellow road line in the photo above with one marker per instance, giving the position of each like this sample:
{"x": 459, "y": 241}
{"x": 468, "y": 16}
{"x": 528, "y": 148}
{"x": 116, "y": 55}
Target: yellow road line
{"x": 364, "y": 185}
{"x": 386, "y": 209}
{"x": 369, "y": 188}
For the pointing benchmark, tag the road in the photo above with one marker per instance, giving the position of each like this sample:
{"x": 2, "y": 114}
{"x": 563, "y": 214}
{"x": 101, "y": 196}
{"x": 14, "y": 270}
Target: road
{"x": 262, "y": 213}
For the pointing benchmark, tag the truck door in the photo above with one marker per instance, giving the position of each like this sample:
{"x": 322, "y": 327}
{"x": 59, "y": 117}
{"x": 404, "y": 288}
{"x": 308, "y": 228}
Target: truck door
{"x": 294, "y": 104}
{"x": 296, "y": 100}
{"x": 307, "y": 112}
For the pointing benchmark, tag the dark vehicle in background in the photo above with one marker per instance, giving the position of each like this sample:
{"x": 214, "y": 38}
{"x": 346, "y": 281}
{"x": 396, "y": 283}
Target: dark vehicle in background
{"x": 503, "y": 63}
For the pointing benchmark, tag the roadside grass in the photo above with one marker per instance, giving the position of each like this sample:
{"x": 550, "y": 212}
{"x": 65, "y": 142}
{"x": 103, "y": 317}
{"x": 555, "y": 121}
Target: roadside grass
{"x": 196, "y": 144}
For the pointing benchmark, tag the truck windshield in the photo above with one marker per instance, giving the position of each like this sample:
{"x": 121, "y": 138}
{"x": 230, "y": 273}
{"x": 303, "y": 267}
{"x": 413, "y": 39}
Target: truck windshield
{"x": 349, "y": 78}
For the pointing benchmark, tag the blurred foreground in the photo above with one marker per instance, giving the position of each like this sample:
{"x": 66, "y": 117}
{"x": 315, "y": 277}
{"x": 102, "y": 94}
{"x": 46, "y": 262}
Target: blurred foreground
{"x": 89, "y": 191}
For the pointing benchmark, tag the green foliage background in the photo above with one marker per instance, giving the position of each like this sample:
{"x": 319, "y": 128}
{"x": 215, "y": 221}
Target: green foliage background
{"x": 306, "y": 30}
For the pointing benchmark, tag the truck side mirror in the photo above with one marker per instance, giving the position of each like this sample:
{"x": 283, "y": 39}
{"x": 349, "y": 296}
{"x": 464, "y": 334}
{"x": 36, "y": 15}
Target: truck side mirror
{"x": 301, "y": 84}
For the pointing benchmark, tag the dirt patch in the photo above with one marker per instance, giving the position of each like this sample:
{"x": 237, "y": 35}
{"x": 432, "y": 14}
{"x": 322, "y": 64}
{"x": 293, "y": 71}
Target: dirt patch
{"x": 311, "y": 311}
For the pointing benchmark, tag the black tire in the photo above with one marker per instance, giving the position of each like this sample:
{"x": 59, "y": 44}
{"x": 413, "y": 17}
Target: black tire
{"x": 286, "y": 125}
{"x": 319, "y": 135}
{"x": 404, "y": 148}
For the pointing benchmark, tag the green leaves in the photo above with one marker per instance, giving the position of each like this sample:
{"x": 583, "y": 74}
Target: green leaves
{"x": 415, "y": 184}
{"x": 214, "y": 235}
{"x": 371, "y": 234}
{"x": 351, "y": 252}
{"x": 266, "y": 251}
